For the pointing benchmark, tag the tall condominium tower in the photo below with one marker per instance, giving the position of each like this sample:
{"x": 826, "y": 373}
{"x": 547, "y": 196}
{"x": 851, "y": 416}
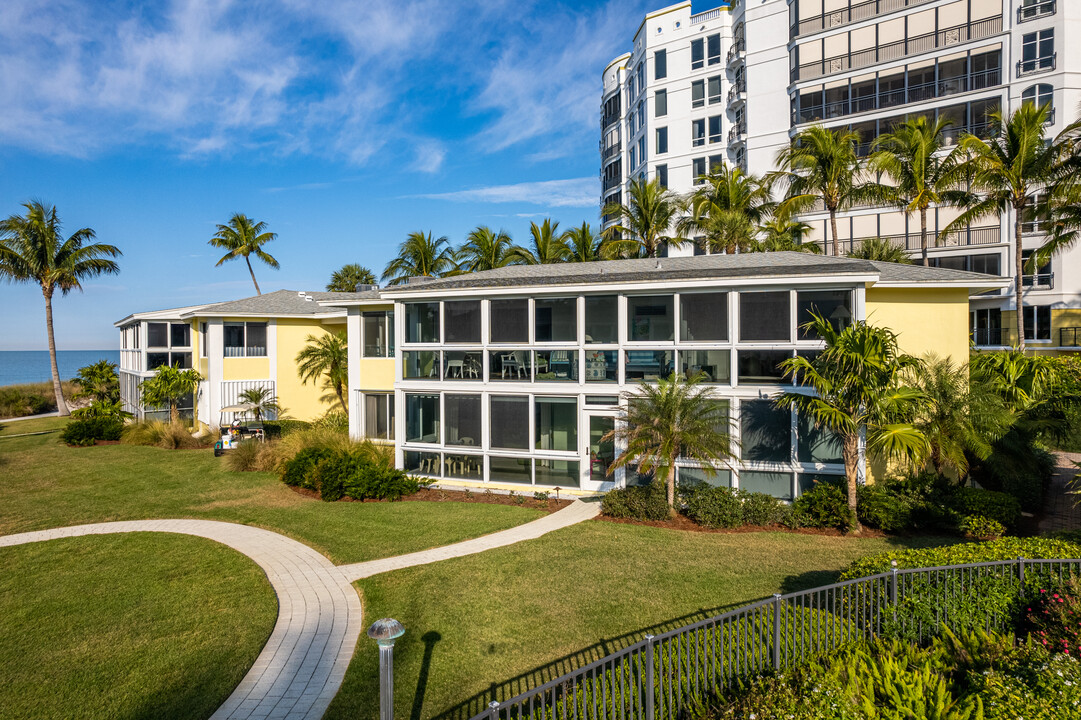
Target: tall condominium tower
{"x": 734, "y": 83}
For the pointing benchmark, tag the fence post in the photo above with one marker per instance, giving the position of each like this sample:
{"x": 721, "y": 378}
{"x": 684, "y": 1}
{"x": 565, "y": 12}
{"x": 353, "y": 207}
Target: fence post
{"x": 650, "y": 695}
{"x": 893, "y": 589}
{"x": 776, "y": 631}
{"x": 1021, "y": 573}
{"x": 493, "y": 710}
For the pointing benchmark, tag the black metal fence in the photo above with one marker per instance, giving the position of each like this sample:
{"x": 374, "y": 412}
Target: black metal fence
{"x": 655, "y": 678}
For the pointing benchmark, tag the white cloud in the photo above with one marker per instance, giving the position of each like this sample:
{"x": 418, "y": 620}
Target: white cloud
{"x": 572, "y": 192}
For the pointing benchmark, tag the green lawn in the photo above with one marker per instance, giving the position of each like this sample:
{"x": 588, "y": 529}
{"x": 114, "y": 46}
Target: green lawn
{"x": 144, "y": 625}
{"x": 45, "y": 484}
{"x": 511, "y": 618}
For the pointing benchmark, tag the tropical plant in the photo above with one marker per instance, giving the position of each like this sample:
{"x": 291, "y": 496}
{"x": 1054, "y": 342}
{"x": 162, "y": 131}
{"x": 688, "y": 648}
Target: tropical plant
{"x": 167, "y": 387}
{"x": 102, "y": 409}
{"x": 419, "y": 256}
{"x": 485, "y": 249}
{"x": 779, "y": 234}
{"x": 1008, "y": 171}
{"x": 823, "y": 165}
{"x": 920, "y": 171}
{"x": 32, "y": 249}
{"x": 326, "y": 357}
{"x": 262, "y": 400}
{"x": 859, "y": 389}
{"x": 583, "y": 244}
{"x": 98, "y": 382}
{"x": 349, "y": 278}
{"x": 644, "y": 222}
{"x": 881, "y": 250}
{"x": 547, "y": 246}
{"x": 243, "y": 237}
{"x": 727, "y": 209}
{"x": 674, "y": 418}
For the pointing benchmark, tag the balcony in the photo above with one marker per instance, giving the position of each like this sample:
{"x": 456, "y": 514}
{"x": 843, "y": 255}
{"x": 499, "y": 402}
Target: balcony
{"x": 608, "y": 121}
{"x": 1039, "y": 281}
{"x": 735, "y": 53}
{"x": 737, "y": 94}
{"x": 610, "y": 183}
{"x": 737, "y": 134}
{"x": 1069, "y": 337}
{"x": 1034, "y": 10}
{"x": 1037, "y": 65}
{"x": 915, "y": 45}
{"x": 991, "y": 337}
{"x": 862, "y": 11}
{"x": 706, "y": 16}
{"x": 911, "y": 241}
{"x": 611, "y": 151}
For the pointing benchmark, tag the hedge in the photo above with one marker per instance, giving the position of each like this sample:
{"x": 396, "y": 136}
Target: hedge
{"x": 87, "y": 432}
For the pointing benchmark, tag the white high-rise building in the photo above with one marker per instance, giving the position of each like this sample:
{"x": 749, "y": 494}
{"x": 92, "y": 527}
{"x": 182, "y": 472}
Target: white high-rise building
{"x": 735, "y": 83}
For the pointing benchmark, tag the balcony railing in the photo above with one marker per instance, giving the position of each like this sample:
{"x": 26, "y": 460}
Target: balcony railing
{"x": 737, "y": 133}
{"x": 1039, "y": 281}
{"x": 1069, "y": 337}
{"x": 734, "y": 52}
{"x": 1033, "y": 10}
{"x": 1037, "y": 65}
{"x": 706, "y": 16}
{"x": 911, "y": 241}
{"x": 610, "y": 183}
{"x": 609, "y": 120}
{"x": 611, "y": 151}
{"x": 914, "y": 45}
{"x": 736, "y": 93}
{"x": 991, "y": 337}
{"x": 860, "y": 11}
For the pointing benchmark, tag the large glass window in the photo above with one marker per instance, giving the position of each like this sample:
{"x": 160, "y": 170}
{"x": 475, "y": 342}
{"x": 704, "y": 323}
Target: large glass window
{"x": 462, "y": 419}
{"x": 155, "y": 360}
{"x": 765, "y": 431}
{"x": 378, "y": 329}
{"x": 560, "y": 473}
{"x": 602, "y": 366}
{"x": 777, "y": 484}
{"x": 713, "y": 49}
{"x": 714, "y": 363}
{"x": 157, "y": 335}
{"x": 695, "y": 476}
{"x": 379, "y": 416}
{"x": 698, "y": 53}
{"x": 833, "y": 305}
{"x": 421, "y": 418}
{"x": 509, "y": 365}
{"x": 422, "y": 322}
{"x": 245, "y": 339}
{"x": 698, "y": 93}
{"x": 1037, "y": 51}
{"x": 602, "y": 318}
{"x": 556, "y": 423}
{"x": 703, "y": 317}
{"x": 509, "y": 423}
{"x": 764, "y": 316}
{"x": 509, "y": 320}
{"x": 463, "y": 365}
{"x": 556, "y": 319}
{"x": 180, "y": 335}
{"x": 233, "y": 334}
{"x": 648, "y": 364}
{"x": 816, "y": 444}
{"x": 510, "y": 470}
{"x": 556, "y": 365}
{"x": 650, "y": 317}
{"x": 461, "y": 321}
{"x": 420, "y": 364}
{"x": 421, "y": 463}
{"x": 464, "y": 467}
{"x": 758, "y": 367}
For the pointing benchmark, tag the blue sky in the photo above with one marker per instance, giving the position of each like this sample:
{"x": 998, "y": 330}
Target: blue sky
{"x": 342, "y": 125}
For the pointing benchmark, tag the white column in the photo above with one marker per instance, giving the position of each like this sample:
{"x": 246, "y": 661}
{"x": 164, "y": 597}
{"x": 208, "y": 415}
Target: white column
{"x": 353, "y": 339}
{"x": 215, "y": 362}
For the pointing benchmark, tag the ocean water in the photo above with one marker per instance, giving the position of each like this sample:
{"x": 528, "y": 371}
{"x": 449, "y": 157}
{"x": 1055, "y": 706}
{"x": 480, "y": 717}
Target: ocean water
{"x": 30, "y": 366}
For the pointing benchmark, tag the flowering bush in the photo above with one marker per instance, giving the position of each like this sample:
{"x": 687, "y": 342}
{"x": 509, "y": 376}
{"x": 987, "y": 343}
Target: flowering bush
{"x": 1053, "y": 617}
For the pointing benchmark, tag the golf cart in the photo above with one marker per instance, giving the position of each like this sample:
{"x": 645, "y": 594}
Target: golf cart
{"x": 238, "y": 423}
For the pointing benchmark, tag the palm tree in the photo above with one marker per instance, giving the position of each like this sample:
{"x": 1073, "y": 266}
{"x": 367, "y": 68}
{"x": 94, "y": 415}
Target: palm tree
{"x": 880, "y": 250}
{"x": 921, "y": 174}
{"x": 821, "y": 164}
{"x": 644, "y": 221}
{"x": 727, "y": 210}
{"x": 99, "y": 382}
{"x": 419, "y": 256}
{"x": 675, "y": 418}
{"x": 327, "y": 357}
{"x": 583, "y": 244}
{"x": 786, "y": 234}
{"x": 32, "y": 249}
{"x": 1008, "y": 170}
{"x": 485, "y": 249}
{"x": 548, "y": 246}
{"x": 262, "y": 401}
{"x": 243, "y": 237}
{"x": 167, "y": 387}
{"x": 349, "y": 278}
{"x": 858, "y": 389}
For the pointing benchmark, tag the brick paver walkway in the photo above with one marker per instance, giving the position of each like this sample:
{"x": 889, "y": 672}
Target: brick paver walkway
{"x": 1061, "y": 511}
{"x": 319, "y": 614}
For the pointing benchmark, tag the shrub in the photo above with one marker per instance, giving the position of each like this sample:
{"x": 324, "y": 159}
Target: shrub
{"x": 1017, "y": 466}
{"x": 638, "y": 502}
{"x": 333, "y": 420}
{"x": 278, "y": 452}
{"x": 280, "y": 428}
{"x": 244, "y": 457}
{"x": 31, "y": 398}
{"x": 1053, "y": 617}
{"x": 760, "y": 508}
{"x": 88, "y": 431}
{"x": 879, "y": 506}
{"x": 826, "y": 506}
{"x": 998, "y": 506}
{"x": 164, "y": 435}
{"x": 712, "y": 507}
{"x": 978, "y": 527}
{"x": 300, "y": 470}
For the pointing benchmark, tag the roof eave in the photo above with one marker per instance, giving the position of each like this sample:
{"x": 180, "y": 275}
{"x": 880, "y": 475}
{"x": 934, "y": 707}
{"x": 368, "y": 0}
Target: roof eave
{"x": 197, "y": 314}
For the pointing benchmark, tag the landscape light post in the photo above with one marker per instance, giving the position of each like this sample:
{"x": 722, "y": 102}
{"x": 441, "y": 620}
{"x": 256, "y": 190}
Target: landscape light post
{"x": 385, "y": 632}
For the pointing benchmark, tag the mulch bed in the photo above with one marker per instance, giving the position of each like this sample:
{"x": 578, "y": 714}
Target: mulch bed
{"x": 680, "y": 522}
{"x": 465, "y": 496}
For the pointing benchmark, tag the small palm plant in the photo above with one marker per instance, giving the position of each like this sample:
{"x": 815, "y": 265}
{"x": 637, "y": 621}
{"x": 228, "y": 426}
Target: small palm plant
{"x": 262, "y": 400}
{"x": 325, "y": 357}
{"x": 674, "y": 418}
{"x": 244, "y": 237}
{"x": 99, "y": 382}
{"x": 857, "y": 387}
{"x": 167, "y": 387}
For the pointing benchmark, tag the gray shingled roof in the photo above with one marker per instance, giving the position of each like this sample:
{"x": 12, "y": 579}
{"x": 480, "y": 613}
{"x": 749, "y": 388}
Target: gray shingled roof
{"x": 281, "y": 302}
{"x": 745, "y": 265}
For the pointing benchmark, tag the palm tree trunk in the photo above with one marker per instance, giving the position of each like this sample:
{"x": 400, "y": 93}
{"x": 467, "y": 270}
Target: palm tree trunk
{"x": 670, "y": 483}
{"x": 341, "y": 397}
{"x": 923, "y": 235}
{"x": 833, "y": 229}
{"x": 58, "y": 390}
{"x": 174, "y": 413}
{"x": 850, "y": 451}
{"x": 1017, "y": 278}
{"x": 257, "y": 290}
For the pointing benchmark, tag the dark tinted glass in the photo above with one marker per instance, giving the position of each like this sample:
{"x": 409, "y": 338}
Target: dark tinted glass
{"x": 764, "y": 316}
{"x": 510, "y": 320}
{"x": 703, "y": 317}
{"x": 461, "y": 321}
{"x": 765, "y": 431}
